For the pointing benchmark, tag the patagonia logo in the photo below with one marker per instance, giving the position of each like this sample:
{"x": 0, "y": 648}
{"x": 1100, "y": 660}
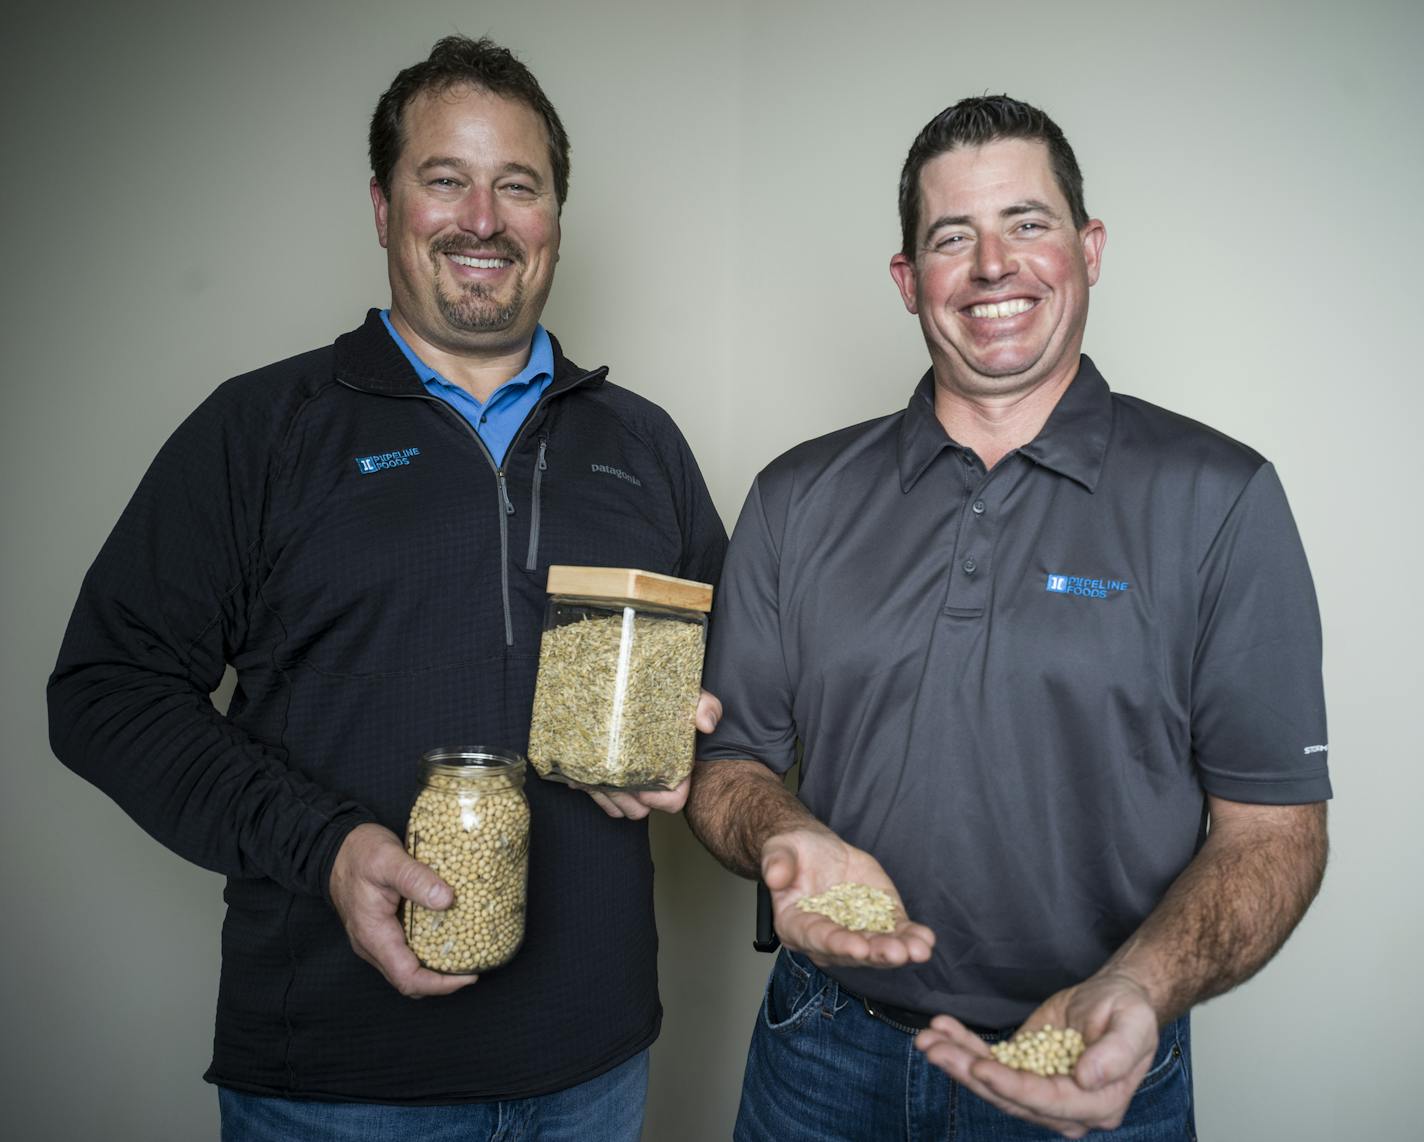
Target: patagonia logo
{"x": 383, "y": 460}
{"x": 1086, "y": 587}
{"x": 622, "y": 475}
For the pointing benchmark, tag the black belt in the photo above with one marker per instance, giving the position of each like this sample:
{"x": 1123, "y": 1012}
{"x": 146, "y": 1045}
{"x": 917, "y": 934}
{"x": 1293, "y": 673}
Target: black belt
{"x": 911, "y": 1022}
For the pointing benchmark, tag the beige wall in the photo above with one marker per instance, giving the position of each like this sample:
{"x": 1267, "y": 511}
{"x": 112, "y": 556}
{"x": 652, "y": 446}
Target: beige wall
{"x": 185, "y": 198}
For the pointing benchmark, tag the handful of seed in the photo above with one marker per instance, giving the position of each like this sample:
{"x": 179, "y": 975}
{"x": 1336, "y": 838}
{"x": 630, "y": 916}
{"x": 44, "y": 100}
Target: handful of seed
{"x": 855, "y": 906}
{"x": 1048, "y": 1051}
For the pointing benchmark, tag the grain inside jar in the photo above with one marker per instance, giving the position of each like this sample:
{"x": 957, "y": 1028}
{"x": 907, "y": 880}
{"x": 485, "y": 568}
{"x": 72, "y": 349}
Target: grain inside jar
{"x": 470, "y": 824}
{"x": 620, "y": 669}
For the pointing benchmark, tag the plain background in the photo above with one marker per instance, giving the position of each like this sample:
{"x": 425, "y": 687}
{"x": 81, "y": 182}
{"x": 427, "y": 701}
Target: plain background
{"x": 185, "y": 199}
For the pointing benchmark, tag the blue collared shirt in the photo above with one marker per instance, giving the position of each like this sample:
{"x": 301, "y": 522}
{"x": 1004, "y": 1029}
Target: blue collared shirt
{"x": 497, "y": 420}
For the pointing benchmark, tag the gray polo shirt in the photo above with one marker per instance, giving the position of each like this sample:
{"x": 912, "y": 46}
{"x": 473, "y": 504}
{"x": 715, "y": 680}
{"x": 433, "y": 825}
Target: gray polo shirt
{"x": 1016, "y": 687}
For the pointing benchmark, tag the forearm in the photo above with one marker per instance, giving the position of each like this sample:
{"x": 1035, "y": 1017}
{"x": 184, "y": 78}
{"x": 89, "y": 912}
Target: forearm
{"x": 1231, "y": 909}
{"x": 735, "y": 806}
{"x": 193, "y": 780}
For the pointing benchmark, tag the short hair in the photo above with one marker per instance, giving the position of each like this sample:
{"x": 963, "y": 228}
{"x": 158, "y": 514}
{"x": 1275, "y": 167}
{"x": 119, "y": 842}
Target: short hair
{"x": 457, "y": 61}
{"x": 974, "y": 122}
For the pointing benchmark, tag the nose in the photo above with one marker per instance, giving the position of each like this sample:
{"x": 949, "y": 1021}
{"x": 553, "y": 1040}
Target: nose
{"x": 993, "y": 259}
{"x": 479, "y": 213}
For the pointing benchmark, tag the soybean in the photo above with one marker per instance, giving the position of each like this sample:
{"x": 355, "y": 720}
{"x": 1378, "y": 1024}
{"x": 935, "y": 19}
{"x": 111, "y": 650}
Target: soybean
{"x": 477, "y": 840}
{"x": 1048, "y": 1051}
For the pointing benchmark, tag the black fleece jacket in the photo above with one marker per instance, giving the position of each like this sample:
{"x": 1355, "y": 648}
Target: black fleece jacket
{"x": 348, "y": 544}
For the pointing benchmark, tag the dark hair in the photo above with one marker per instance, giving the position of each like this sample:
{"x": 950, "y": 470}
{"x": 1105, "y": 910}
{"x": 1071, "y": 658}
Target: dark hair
{"x": 973, "y": 122}
{"x": 453, "y": 62}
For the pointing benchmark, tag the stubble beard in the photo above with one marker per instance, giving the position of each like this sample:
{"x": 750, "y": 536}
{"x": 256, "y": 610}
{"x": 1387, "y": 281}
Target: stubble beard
{"x": 474, "y": 308}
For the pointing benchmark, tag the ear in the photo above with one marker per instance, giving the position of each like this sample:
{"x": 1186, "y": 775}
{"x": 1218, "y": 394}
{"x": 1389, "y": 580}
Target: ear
{"x": 382, "y": 208}
{"x": 902, "y": 269}
{"x": 1093, "y": 236}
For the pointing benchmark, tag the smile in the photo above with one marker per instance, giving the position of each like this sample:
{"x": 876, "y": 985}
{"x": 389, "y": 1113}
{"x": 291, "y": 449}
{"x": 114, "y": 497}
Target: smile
{"x": 480, "y": 263}
{"x": 1010, "y": 308}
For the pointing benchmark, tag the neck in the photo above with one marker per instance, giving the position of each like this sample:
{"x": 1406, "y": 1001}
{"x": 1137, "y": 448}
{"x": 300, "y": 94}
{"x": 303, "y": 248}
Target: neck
{"x": 993, "y": 425}
{"x": 480, "y": 372}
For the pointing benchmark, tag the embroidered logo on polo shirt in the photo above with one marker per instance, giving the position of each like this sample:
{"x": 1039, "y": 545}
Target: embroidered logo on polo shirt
{"x": 1084, "y": 586}
{"x": 608, "y": 470}
{"x": 383, "y": 460}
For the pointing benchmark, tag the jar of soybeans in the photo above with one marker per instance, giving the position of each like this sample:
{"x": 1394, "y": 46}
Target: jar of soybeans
{"x": 620, "y": 671}
{"x": 470, "y": 823}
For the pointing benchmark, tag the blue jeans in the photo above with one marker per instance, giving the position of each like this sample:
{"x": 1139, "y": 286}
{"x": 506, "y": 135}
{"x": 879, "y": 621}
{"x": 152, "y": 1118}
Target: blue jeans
{"x": 608, "y": 1108}
{"x": 820, "y": 1068}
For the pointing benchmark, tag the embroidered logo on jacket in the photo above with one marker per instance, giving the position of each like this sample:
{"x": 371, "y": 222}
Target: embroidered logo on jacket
{"x": 1082, "y": 585}
{"x": 383, "y": 460}
{"x": 622, "y": 475}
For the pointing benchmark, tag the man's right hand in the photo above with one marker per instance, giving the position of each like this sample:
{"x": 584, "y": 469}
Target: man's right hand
{"x": 806, "y": 862}
{"x": 372, "y": 875}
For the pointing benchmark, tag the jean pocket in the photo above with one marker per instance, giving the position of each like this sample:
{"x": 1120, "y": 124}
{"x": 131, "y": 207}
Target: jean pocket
{"x": 793, "y": 992}
{"x": 1164, "y": 1066}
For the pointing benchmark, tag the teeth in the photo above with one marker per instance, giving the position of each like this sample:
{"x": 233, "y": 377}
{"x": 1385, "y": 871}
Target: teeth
{"x": 1002, "y": 308}
{"x": 479, "y": 263}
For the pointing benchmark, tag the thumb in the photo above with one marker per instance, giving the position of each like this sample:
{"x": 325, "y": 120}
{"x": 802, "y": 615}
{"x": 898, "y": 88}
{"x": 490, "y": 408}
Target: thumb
{"x": 418, "y": 882}
{"x": 709, "y": 712}
{"x": 778, "y": 866}
{"x": 1106, "y": 1061}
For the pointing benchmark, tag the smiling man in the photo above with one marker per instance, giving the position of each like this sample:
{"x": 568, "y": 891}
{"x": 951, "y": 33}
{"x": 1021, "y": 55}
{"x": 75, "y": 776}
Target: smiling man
{"x": 364, "y": 533}
{"x": 1050, "y": 657}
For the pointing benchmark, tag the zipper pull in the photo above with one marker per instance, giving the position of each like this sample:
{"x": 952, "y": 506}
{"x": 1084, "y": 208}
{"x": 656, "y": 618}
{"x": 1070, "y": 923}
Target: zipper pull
{"x": 504, "y": 493}
{"x": 543, "y": 445}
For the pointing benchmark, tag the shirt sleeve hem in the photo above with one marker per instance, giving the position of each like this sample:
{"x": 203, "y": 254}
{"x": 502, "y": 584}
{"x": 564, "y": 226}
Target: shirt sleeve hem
{"x": 778, "y": 761}
{"x": 1269, "y": 791}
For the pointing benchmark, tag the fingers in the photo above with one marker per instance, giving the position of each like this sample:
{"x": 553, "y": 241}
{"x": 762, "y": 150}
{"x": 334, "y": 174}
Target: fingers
{"x": 709, "y": 712}
{"x": 380, "y": 941}
{"x": 636, "y": 806}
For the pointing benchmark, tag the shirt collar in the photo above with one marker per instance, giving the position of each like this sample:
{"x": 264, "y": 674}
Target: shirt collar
{"x": 541, "y": 358}
{"x": 1073, "y": 442}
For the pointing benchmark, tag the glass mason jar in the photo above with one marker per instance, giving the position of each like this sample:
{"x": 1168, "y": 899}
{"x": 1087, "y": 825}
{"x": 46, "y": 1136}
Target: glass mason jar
{"x": 620, "y": 671}
{"x": 470, "y": 823}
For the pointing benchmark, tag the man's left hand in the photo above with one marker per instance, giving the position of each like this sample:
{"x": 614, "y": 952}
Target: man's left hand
{"x": 636, "y": 806}
{"x": 1117, "y": 1022}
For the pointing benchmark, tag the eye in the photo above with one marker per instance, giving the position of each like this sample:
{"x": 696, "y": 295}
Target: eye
{"x": 1031, "y": 228}
{"x": 950, "y": 243}
{"x": 444, "y": 182}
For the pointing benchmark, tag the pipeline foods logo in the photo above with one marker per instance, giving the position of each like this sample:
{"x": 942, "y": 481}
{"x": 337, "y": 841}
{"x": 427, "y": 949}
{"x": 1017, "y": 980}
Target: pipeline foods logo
{"x": 1085, "y": 587}
{"x": 383, "y": 460}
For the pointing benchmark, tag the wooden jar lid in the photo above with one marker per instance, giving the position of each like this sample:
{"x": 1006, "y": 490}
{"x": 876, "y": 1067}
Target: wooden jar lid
{"x": 629, "y": 584}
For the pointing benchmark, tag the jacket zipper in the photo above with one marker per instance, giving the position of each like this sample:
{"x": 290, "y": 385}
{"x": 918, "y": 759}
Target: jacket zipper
{"x": 531, "y": 561}
{"x": 501, "y": 484}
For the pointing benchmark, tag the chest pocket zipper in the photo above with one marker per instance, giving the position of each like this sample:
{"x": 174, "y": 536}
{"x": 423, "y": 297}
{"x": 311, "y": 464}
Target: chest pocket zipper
{"x": 531, "y": 561}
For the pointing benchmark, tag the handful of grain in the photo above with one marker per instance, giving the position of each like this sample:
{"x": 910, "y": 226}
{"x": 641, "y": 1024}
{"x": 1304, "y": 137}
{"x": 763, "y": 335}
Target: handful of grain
{"x": 855, "y": 906}
{"x": 1048, "y": 1051}
{"x": 615, "y": 702}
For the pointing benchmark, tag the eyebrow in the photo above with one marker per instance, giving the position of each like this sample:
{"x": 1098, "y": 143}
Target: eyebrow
{"x": 1026, "y": 206}
{"x": 461, "y": 165}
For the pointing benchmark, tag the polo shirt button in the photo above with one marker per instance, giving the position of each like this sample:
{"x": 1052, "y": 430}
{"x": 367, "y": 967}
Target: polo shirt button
{"x": 970, "y": 566}
{"x": 978, "y": 507}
